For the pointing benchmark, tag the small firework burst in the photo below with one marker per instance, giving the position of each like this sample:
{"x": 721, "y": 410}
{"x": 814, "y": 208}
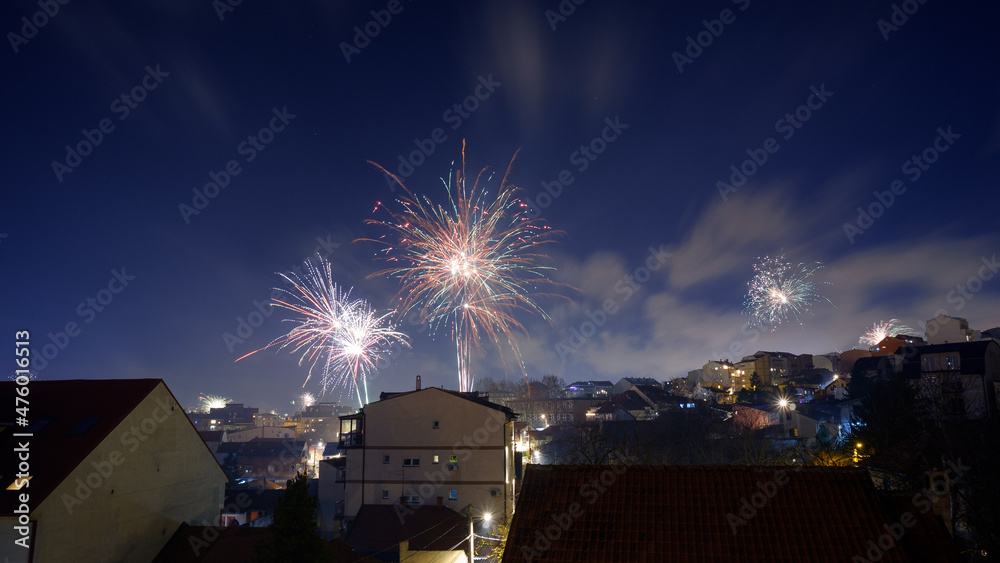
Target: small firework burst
{"x": 307, "y": 400}
{"x": 209, "y": 402}
{"x": 882, "y": 330}
{"x": 780, "y": 292}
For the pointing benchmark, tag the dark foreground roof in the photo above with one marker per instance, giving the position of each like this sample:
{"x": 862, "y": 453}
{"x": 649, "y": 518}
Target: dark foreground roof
{"x": 655, "y": 513}
{"x": 212, "y": 544}
{"x": 379, "y": 528}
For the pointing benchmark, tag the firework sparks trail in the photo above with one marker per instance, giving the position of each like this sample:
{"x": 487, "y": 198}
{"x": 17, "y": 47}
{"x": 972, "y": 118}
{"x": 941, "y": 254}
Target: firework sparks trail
{"x": 469, "y": 265}
{"x": 780, "y": 292}
{"x": 209, "y": 402}
{"x": 882, "y": 330}
{"x": 344, "y": 338}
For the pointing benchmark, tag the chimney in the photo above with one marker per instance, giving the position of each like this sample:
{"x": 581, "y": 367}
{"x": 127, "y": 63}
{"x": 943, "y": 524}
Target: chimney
{"x": 418, "y": 383}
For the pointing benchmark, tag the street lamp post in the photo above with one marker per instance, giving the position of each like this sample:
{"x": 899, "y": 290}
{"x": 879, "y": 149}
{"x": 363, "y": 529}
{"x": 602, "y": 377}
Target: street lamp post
{"x": 486, "y": 517}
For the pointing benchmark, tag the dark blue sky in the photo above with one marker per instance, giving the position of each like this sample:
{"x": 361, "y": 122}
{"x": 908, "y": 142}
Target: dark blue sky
{"x": 864, "y": 102}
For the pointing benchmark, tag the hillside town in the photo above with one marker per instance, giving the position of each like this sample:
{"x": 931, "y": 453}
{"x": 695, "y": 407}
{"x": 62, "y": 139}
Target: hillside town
{"x": 767, "y": 452}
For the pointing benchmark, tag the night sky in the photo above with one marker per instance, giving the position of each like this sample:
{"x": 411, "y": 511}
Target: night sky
{"x": 645, "y": 121}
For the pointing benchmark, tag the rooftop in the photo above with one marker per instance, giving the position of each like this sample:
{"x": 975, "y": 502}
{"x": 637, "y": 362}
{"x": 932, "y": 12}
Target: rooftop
{"x": 692, "y": 513}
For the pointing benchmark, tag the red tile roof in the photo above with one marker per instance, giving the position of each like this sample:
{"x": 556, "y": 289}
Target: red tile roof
{"x": 575, "y": 514}
{"x": 379, "y": 528}
{"x": 211, "y": 544}
{"x": 54, "y": 449}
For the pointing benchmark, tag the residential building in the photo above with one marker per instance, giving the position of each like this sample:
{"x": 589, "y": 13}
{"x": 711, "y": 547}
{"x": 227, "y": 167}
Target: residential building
{"x": 960, "y": 378}
{"x": 848, "y": 357}
{"x": 267, "y": 459}
{"x": 718, "y": 374}
{"x": 771, "y": 367}
{"x": 890, "y": 345}
{"x": 589, "y": 389}
{"x": 262, "y": 432}
{"x": 332, "y": 495}
{"x": 233, "y": 416}
{"x": 268, "y": 419}
{"x": 556, "y": 411}
{"x": 626, "y": 383}
{"x": 430, "y": 446}
{"x": 716, "y": 514}
{"x": 881, "y": 368}
{"x": 115, "y": 466}
{"x": 943, "y": 329}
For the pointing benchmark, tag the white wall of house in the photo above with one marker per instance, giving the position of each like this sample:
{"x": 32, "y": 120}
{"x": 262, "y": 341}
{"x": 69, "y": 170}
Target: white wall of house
{"x": 132, "y": 492}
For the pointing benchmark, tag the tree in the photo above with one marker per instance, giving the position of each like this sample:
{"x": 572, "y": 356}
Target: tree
{"x": 293, "y": 531}
{"x": 231, "y": 467}
{"x": 754, "y": 381}
{"x": 495, "y": 546}
{"x": 554, "y": 386}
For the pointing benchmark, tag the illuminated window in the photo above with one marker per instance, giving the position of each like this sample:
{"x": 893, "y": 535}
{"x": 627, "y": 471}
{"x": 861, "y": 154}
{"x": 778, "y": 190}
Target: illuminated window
{"x": 454, "y": 459}
{"x": 434, "y": 459}
{"x": 453, "y": 494}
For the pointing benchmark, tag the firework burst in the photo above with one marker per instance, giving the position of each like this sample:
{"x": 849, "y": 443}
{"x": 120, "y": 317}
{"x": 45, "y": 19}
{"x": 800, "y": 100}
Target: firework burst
{"x": 468, "y": 265}
{"x": 307, "y": 400}
{"x": 882, "y": 330}
{"x": 341, "y": 338}
{"x": 209, "y": 402}
{"x": 780, "y": 292}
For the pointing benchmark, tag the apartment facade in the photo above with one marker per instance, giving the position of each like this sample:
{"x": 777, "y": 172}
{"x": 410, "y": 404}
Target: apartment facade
{"x": 432, "y": 447}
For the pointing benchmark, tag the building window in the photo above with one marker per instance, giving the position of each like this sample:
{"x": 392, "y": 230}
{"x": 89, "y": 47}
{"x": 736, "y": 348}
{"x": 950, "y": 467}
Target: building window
{"x": 454, "y": 459}
{"x": 453, "y": 494}
{"x": 385, "y": 459}
{"x": 411, "y": 462}
{"x": 412, "y": 499}
{"x": 385, "y": 494}
{"x": 434, "y": 459}
{"x": 437, "y": 424}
